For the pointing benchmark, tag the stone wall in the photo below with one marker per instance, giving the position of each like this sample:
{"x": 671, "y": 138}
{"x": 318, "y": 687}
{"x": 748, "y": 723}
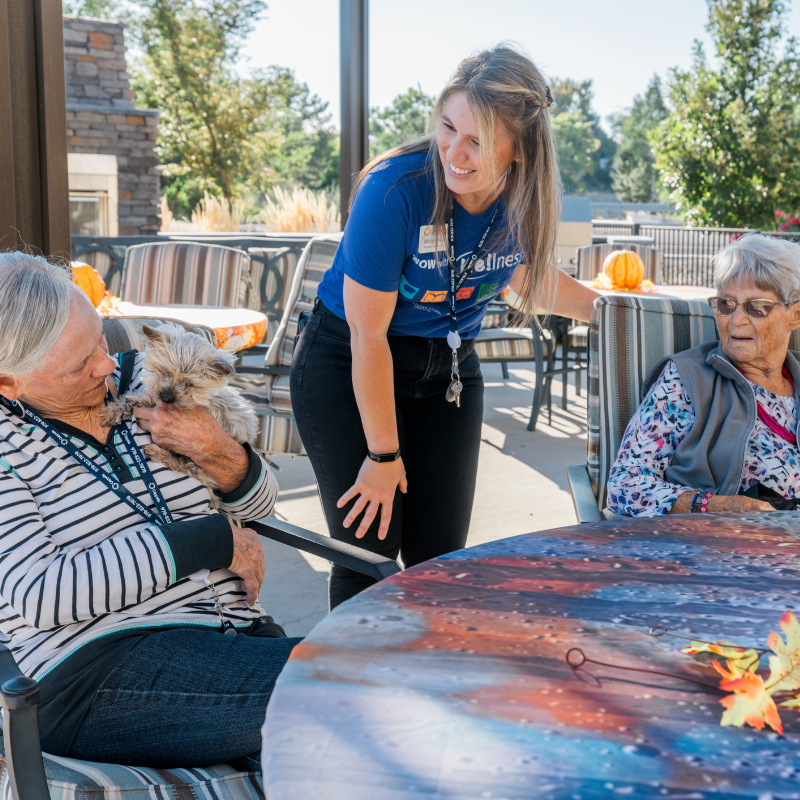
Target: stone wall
{"x": 101, "y": 118}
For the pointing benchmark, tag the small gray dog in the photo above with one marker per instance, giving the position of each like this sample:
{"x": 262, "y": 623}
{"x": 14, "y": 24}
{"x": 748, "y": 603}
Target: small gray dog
{"x": 183, "y": 369}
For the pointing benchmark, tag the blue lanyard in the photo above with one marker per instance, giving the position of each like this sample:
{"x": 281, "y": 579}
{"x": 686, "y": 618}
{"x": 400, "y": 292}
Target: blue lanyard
{"x": 161, "y": 514}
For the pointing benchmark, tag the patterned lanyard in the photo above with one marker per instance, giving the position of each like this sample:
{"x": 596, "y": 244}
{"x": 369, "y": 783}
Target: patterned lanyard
{"x": 453, "y": 339}
{"x": 161, "y": 514}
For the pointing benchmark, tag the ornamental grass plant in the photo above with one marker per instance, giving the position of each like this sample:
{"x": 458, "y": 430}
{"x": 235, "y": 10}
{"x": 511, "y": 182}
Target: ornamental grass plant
{"x": 300, "y": 211}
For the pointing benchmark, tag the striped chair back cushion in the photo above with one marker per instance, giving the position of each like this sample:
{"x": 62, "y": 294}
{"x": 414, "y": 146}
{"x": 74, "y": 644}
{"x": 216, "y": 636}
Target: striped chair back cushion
{"x": 125, "y": 333}
{"x": 315, "y": 260}
{"x": 591, "y": 258}
{"x": 69, "y": 779}
{"x": 186, "y": 273}
{"x": 628, "y": 336}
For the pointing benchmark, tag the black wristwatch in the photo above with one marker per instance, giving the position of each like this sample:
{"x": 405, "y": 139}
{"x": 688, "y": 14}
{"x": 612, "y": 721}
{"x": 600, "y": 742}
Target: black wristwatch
{"x": 383, "y": 458}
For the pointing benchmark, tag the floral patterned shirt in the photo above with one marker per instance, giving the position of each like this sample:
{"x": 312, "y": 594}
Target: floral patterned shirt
{"x": 636, "y": 485}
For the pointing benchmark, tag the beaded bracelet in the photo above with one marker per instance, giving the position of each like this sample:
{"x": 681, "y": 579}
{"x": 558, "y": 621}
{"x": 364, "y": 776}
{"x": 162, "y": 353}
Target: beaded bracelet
{"x": 703, "y": 503}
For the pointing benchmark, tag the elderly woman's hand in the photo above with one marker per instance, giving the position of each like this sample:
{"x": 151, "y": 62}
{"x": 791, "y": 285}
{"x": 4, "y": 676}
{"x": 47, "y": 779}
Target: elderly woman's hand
{"x": 248, "y": 561}
{"x": 717, "y": 502}
{"x": 195, "y": 434}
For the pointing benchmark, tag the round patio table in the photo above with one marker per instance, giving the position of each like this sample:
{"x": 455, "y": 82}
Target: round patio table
{"x": 449, "y": 680}
{"x": 235, "y": 328}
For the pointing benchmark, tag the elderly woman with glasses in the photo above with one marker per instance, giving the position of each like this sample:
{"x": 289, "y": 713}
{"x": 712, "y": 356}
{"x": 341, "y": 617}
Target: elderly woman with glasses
{"x": 717, "y": 429}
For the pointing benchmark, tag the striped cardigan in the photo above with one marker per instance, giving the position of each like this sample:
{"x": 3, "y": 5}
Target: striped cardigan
{"x": 76, "y": 563}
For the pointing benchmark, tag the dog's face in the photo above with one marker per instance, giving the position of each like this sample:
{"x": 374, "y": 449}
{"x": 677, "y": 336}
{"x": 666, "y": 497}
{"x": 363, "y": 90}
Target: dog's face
{"x": 182, "y": 368}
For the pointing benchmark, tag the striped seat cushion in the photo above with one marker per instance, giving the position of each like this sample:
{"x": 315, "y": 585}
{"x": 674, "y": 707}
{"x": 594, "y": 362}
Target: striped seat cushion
{"x": 496, "y": 316}
{"x": 125, "y": 333}
{"x": 628, "y": 336}
{"x": 68, "y": 779}
{"x": 507, "y": 344}
{"x": 187, "y": 274}
{"x": 591, "y": 258}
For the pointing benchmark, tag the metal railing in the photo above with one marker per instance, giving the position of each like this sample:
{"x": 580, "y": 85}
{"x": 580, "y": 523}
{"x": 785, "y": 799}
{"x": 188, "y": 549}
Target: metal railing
{"x": 686, "y": 253}
{"x": 107, "y": 256}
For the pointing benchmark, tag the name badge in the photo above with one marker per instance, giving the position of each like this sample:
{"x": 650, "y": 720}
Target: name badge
{"x": 427, "y": 239}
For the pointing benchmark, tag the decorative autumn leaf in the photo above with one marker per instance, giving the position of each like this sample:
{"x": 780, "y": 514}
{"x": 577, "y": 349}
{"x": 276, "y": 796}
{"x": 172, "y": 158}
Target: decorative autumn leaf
{"x": 746, "y": 658}
{"x": 792, "y": 702}
{"x": 750, "y": 702}
{"x": 785, "y": 664}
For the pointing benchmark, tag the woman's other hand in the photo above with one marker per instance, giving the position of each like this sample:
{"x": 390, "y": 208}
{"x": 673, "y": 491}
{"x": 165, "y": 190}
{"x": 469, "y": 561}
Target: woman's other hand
{"x": 248, "y": 561}
{"x": 717, "y": 502}
{"x": 375, "y": 488}
{"x": 194, "y": 433}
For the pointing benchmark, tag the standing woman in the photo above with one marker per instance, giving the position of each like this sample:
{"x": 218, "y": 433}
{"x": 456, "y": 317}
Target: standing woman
{"x": 386, "y": 388}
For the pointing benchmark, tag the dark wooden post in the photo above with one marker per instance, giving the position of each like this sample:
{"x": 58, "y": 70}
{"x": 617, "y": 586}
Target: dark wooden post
{"x": 354, "y": 73}
{"x": 34, "y": 189}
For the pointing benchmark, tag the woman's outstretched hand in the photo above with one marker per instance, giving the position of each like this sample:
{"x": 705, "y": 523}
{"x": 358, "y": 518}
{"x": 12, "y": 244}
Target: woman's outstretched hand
{"x": 375, "y": 488}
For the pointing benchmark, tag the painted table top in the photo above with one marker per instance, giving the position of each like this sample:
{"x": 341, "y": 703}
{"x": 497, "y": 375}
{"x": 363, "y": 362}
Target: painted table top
{"x": 449, "y": 680}
{"x": 235, "y": 328}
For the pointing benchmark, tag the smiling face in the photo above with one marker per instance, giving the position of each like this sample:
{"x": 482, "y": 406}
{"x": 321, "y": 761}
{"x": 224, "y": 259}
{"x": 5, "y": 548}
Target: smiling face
{"x": 760, "y": 344}
{"x": 468, "y": 169}
{"x": 71, "y": 378}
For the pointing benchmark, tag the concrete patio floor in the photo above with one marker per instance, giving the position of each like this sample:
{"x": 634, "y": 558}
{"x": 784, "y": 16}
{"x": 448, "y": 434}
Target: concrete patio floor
{"x": 522, "y": 487}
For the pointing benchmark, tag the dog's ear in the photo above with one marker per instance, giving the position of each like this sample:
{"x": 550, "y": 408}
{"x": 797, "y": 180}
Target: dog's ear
{"x": 152, "y": 335}
{"x": 221, "y": 367}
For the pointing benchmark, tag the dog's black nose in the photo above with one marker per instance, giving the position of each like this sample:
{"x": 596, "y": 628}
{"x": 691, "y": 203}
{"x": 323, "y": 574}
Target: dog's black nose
{"x": 167, "y": 397}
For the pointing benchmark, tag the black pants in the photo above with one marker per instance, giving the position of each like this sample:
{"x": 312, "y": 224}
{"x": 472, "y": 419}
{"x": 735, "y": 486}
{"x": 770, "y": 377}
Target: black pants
{"x": 439, "y": 442}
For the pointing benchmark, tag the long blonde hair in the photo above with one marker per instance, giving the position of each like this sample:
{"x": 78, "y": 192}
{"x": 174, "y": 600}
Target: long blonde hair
{"x": 503, "y": 85}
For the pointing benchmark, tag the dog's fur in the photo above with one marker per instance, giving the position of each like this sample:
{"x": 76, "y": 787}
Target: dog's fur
{"x": 185, "y": 370}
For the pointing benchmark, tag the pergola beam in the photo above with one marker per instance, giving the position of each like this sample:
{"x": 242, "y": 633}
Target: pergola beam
{"x": 354, "y": 76}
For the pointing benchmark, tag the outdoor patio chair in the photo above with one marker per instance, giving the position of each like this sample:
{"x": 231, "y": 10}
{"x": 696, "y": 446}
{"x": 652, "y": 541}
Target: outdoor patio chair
{"x": 270, "y": 282}
{"x": 266, "y": 384}
{"x": 186, "y": 273}
{"x": 591, "y": 258}
{"x": 28, "y": 774}
{"x": 628, "y": 336}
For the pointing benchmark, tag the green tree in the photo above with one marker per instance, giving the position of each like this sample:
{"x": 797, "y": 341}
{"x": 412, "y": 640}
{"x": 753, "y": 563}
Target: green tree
{"x": 634, "y": 177}
{"x": 406, "y": 118}
{"x": 218, "y": 131}
{"x": 729, "y": 152}
{"x": 99, "y": 9}
{"x": 584, "y": 148}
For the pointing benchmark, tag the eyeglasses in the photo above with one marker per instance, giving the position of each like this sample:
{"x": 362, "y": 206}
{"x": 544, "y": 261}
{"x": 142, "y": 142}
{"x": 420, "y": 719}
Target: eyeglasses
{"x": 756, "y": 309}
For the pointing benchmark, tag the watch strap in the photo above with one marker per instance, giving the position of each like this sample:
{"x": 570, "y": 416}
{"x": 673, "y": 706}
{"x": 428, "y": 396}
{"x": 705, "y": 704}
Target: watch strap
{"x": 383, "y": 458}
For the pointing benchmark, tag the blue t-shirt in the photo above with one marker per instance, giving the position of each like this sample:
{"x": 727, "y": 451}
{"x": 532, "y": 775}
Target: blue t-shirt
{"x": 388, "y": 245}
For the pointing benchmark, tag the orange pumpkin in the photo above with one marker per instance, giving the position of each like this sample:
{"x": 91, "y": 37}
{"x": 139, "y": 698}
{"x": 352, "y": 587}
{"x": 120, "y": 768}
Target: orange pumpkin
{"x": 86, "y": 278}
{"x": 624, "y": 268}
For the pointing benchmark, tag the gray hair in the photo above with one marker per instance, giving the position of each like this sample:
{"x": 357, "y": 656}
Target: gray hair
{"x": 768, "y": 263}
{"x": 34, "y": 307}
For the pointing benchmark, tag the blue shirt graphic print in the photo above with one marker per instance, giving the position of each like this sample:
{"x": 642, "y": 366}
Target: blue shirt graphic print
{"x": 389, "y": 246}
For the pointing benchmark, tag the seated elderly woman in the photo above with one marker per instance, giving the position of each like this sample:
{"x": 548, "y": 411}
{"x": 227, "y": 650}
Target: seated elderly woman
{"x": 718, "y": 427}
{"x": 115, "y": 596}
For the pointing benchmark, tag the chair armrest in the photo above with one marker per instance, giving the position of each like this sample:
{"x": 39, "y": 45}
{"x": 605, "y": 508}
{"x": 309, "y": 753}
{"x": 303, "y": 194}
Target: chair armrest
{"x": 262, "y": 370}
{"x": 341, "y": 553}
{"x": 583, "y": 498}
{"x": 19, "y": 698}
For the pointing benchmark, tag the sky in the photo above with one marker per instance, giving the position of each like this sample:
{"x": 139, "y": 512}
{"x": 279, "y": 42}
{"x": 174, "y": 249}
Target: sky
{"x": 619, "y": 44}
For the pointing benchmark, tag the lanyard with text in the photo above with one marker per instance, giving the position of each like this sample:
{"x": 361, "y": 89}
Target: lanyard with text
{"x": 453, "y": 339}
{"x": 159, "y": 515}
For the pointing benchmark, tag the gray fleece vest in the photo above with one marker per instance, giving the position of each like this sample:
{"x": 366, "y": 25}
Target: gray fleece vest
{"x": 711, "y": 455}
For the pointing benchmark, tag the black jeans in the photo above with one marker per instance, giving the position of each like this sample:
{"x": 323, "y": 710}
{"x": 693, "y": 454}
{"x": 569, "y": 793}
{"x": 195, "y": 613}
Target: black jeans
{"x": 439, "y": 442}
